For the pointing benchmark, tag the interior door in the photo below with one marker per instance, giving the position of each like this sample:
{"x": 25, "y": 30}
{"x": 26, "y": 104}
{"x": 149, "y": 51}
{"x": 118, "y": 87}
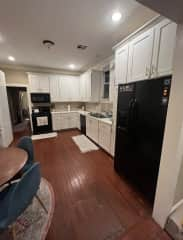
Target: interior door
{"x": 6, "y": 133}
{"x": 121, "y": 64}
{"x": 140, "y": 57}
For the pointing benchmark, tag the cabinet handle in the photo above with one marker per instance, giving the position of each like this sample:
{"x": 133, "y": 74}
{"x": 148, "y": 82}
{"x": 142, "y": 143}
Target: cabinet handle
{"x": 154, "y": 70}
{"x": 147, "y": 72}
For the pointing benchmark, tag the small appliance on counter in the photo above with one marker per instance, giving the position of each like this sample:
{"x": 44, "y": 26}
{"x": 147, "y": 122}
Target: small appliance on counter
{"x": 41, "y": 113}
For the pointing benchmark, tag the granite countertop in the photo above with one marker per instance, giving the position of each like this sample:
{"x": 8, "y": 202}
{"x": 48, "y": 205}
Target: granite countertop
{"x": 104, "y": 120}
{"x": 85, "y": 113}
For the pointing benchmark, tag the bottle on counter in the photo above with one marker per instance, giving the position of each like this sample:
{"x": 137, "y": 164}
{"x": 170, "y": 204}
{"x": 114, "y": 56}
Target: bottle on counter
{"x": 68, "y": 107}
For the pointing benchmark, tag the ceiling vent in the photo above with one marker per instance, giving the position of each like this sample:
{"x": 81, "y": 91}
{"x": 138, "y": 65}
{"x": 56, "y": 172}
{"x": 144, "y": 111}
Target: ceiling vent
{"x": 82, "y": 47}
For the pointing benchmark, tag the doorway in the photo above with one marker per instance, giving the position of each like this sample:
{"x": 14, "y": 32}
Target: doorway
{"x": 19, "y": 110}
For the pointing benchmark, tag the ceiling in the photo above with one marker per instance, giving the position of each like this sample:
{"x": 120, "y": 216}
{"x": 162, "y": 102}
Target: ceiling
{"x": 168, "y": 8}
{"x": 25, "y": 24}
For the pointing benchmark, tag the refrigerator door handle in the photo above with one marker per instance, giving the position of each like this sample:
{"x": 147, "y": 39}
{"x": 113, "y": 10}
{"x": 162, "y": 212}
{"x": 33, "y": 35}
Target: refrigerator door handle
{"x": 122, "y": 128}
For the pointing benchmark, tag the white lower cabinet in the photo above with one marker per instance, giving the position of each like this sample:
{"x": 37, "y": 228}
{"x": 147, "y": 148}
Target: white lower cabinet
{"x": 92, "y": 129}
{"x": 105, "y": 136}
{"x": 99, "y": 132}
{"x": 63, "y": 121}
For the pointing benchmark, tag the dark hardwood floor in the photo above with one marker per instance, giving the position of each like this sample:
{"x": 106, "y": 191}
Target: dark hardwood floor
{"x": 92, "y": 201}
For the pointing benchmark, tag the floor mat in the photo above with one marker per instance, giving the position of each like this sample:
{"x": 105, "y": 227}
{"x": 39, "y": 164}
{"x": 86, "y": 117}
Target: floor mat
{"x": 84, "y": 144}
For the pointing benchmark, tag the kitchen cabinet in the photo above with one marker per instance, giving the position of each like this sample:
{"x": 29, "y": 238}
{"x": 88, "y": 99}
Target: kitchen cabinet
{"x": 165, "y": 37}
{"x": 121, "y": 64}
{"x": 150, "y": 53}
{"x": 85, "y": 87}
{"x": 105, "y": 136}
{"x": 39, "y": 83}
{"x": 69, "y": 88}
{"x": 92, "y": 128}
{"x": 64, "y": 88}
{"x": 55, "y": 88}
{"x": 90, "y": 86}
{"x": 140, "y": 56}
{"x": 63, "y": 121}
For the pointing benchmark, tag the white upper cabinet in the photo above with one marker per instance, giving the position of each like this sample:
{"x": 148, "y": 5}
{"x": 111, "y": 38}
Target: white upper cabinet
{"x": 55, "y": 88}
{"x": 165, "y": 37}
{"x": 121, "y": 64}
{"x": 149, "y": 55}
{"x": 140, "y": 57}
{"x": 69, "y": 88}
{"x": 90, "y": 86}
{"x": 85, "y": 86}
{"x": 39, "y": 83}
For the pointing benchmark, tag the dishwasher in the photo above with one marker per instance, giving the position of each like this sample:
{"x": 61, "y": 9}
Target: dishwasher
{"x": 83, "y": 124}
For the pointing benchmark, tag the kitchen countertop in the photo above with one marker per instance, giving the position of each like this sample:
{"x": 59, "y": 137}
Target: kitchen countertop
{"x": 104, "y": 120}
{"x": 85, "y": 113}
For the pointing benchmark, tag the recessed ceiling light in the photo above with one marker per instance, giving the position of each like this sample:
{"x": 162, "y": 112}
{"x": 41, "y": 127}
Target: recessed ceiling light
{"x": 11, "y": 58}
{"x": 116, "y": 17}
{"x": 72, "y": 66}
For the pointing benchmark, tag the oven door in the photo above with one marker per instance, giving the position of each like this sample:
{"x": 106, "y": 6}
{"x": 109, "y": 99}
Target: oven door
{"x": 42, "y": 123}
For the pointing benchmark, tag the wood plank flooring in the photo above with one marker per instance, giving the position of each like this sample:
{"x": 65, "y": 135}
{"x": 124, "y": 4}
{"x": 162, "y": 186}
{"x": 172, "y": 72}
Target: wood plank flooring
{"x": 92, "y": 201}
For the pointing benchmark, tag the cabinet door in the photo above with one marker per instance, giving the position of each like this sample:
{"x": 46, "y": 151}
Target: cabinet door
{"x": 165, "y": 37}
{"x": 92, "y": 126}
{"x": 121, "y": 64}
{"x": 64, "y": 121}
{"x": 64, "y": 88}
{"x": 105, "y": 136}
{"x": 55, "y": 89}
{"x": 56, "y": 121}
{"x": 82, "y": 88}
{"x": 34, "y": 84}
{"x": 72, "y": 120}
{"x": 88, "y": 85}
{"x": 73, "y": 85}
{"x": 140, "y": 56}
{"x": 44, "y": 83}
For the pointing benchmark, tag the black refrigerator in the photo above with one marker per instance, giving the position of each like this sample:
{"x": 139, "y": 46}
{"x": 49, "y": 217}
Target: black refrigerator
{"x": 141, "y": 117}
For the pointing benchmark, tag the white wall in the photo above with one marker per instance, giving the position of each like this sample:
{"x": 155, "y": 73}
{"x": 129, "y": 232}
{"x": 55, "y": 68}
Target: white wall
{"x": 172, "y": 147}
{"x": 179, "y": 188}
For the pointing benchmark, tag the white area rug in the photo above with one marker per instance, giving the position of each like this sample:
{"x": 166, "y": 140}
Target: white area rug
{"x": 84, "y": 144}
{"x": 44, "y": 136}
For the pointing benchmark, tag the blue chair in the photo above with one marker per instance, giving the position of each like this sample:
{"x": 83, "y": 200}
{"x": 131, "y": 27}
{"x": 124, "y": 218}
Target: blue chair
{"x": 26, "y": 144}
{"x": 19, "y": 195}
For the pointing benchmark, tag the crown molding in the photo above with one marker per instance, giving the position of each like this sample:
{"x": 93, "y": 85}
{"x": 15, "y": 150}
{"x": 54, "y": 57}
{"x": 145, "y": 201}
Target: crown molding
{"x": 37, "y": 69}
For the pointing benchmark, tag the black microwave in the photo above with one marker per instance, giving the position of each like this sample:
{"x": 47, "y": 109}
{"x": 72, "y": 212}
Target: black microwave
{"x": 40, "y": 97}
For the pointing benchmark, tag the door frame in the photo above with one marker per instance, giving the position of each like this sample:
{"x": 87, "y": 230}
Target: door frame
{"x": 18, "y": 85}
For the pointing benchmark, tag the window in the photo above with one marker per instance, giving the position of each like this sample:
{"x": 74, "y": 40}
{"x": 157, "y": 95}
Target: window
{"x": 106, "y": 84}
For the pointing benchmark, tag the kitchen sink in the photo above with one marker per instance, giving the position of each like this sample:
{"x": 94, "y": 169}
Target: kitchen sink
{"x": 100, "y": 115}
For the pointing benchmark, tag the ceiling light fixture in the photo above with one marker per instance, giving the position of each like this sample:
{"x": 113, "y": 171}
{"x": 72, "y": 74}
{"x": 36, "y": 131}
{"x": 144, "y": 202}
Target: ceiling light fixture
{"x": 11, "y": 58}
{"x": 48, "y": 43}
{"x": 116, "y": 17}
{"x": 72, "y": 66}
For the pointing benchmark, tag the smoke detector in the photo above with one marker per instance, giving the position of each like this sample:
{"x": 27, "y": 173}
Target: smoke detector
{"x": 48, "y": 43}
{"x": 82, "y": 47}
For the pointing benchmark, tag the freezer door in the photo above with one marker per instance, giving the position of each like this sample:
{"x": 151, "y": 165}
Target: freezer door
{"x": 124, "y": 139}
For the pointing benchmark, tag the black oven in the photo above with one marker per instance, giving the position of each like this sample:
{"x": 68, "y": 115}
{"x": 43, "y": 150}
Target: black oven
{"x": 40, "y": 97}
